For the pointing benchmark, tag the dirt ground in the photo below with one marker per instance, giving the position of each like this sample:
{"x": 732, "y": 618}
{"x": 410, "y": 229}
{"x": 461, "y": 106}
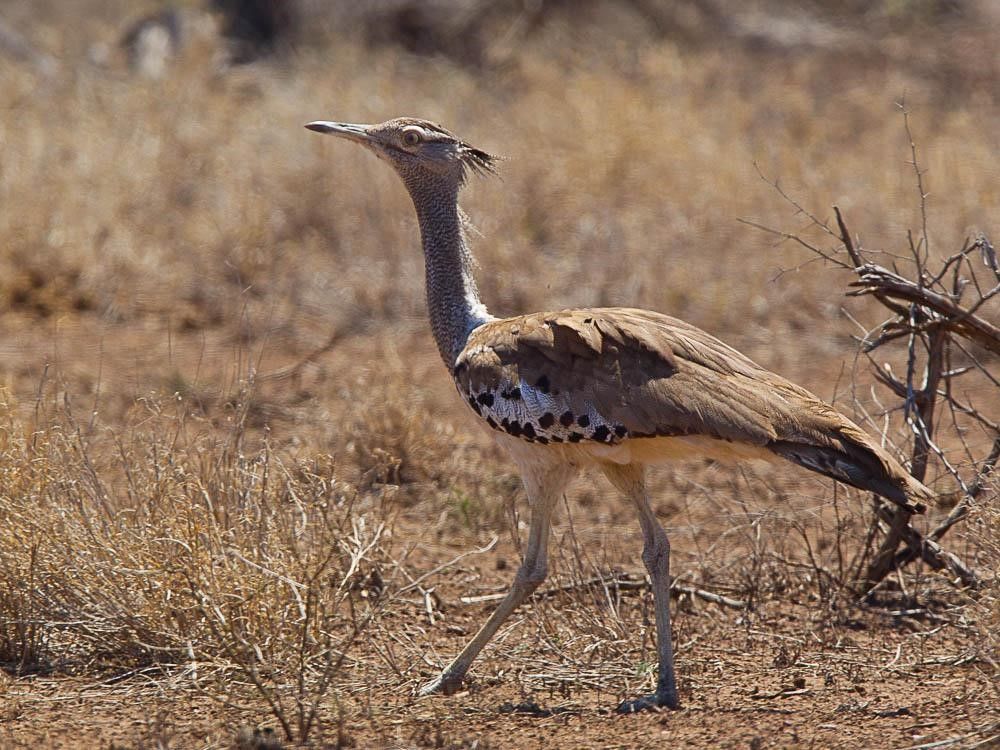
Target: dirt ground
{"x": 235, "y": 477}
{"x": 789, "y": 674}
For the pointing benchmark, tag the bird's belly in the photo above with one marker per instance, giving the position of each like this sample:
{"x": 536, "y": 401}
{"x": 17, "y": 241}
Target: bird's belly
{"x": 655, "y": 450}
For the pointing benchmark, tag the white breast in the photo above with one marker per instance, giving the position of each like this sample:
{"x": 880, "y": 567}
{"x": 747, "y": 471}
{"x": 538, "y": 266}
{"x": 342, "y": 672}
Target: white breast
{"x": 537, "y": 415}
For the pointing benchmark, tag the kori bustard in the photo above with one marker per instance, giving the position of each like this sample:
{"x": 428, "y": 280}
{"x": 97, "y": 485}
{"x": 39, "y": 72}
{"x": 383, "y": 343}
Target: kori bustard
{"x": 611, "y": 388}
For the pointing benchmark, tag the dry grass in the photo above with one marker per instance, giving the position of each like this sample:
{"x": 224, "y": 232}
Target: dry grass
{"x": 197, "y": 511}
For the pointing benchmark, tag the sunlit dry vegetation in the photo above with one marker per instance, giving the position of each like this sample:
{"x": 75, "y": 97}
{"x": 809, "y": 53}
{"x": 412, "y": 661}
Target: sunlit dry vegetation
{"x": 236, "y": 485}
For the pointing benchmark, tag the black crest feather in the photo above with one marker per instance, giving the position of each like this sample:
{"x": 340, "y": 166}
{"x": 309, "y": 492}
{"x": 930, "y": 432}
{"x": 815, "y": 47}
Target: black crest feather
{"x": 477, "y": 161}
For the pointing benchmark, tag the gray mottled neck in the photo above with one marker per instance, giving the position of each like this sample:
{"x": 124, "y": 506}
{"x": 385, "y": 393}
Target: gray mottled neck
{"x": 453, "y": 302}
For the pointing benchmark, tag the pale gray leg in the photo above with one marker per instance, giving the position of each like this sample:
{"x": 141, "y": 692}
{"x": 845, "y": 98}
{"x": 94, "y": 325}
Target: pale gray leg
{"x": 656, "y": 556}
{"x": 544, "y": 485}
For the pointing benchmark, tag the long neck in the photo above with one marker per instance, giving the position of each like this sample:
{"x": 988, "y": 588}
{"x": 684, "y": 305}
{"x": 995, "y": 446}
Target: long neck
{"x": 453, "y": 302}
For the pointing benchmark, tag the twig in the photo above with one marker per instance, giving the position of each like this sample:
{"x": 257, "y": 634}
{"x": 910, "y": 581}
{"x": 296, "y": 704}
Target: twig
{"x": 898, "y": 521}
{"x": 294, "y": 369}
{"x": 859, "y": 261}
{"x": 814, "y": 220}
{"x": 786, "y": 693}
{"x": 794, "y": 238}
{"x": 925, "y": 239}
{"x": 954, "y": 740}
{"x": 845, "y": 237}
{"x": 620, "y": 582}
{"x": 417, "y": 581}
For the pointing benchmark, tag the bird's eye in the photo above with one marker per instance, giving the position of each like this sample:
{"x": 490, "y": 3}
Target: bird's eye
{"x": 411, "y": 136}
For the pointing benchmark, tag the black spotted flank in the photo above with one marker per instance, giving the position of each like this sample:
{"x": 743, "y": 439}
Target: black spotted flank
{"x": 542, "y": 384}
{"x": 583, "y": 420}
{"x": 566, "y": 419}
{"x": 514, "y": 394}
{"x": 621, "y": 430}
{"x": 528, "y": 430}
{"x": 575, "y": 437}
{"x": 546, "y": 420}
{"x": 601, "y": 434}
{"x": 485, "y": 398}
{"x": 491, "y": 422}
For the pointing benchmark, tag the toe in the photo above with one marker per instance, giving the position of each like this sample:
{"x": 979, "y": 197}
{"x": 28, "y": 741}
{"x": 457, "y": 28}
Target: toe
{"x": 444, "y": 684}
{"x": 644, "y": 703}
{"x": 647, "y": 703}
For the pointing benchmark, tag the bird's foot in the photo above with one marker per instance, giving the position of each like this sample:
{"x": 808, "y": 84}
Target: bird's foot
{"x": 445, "y": 683}
{"x": 649, "y": 703}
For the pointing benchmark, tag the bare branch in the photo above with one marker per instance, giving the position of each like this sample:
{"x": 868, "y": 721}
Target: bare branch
{"x": 925, "y": 239}
{"x": 927, "y": 549}
{"x": 795, "y": 238}
{"x": 845, "y": 237}
{"x": 794, "y": 203}
{"x": 619, "y": 582}
{"x": 961, "y": 509}
{"x": 989, "y": 255}
{"x": 877, "y": 280}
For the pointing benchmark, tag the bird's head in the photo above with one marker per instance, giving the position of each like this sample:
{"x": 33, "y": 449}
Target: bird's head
{"x": 418, "y": 149}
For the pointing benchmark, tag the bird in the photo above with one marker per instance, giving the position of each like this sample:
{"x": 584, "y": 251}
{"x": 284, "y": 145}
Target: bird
{"x": 614, "y": 389}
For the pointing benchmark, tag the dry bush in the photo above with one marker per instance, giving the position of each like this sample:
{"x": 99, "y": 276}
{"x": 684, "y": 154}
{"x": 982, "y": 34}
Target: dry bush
{"x": 155, "y": 545}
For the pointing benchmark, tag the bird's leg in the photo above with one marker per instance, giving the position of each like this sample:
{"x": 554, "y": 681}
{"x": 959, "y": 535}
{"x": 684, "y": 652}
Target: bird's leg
{"x": 544, "y": 487}
{"x": 656, "y": 556}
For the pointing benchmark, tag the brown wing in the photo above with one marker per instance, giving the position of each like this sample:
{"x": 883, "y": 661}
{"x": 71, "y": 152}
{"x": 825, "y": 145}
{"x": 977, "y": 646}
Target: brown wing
{"x": 611, "y": 374}
{"x": 651, "y": 373}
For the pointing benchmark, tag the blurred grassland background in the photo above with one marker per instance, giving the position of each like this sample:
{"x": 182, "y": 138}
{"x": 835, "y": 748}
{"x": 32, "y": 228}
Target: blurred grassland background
{"x": 175, "y": 249}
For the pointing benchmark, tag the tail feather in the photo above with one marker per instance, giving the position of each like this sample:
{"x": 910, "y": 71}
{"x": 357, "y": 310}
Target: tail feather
{"x": 862, "y": 466}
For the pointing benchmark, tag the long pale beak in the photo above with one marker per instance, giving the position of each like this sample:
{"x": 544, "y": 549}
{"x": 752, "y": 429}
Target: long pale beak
{"x": 356, "y": 133}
